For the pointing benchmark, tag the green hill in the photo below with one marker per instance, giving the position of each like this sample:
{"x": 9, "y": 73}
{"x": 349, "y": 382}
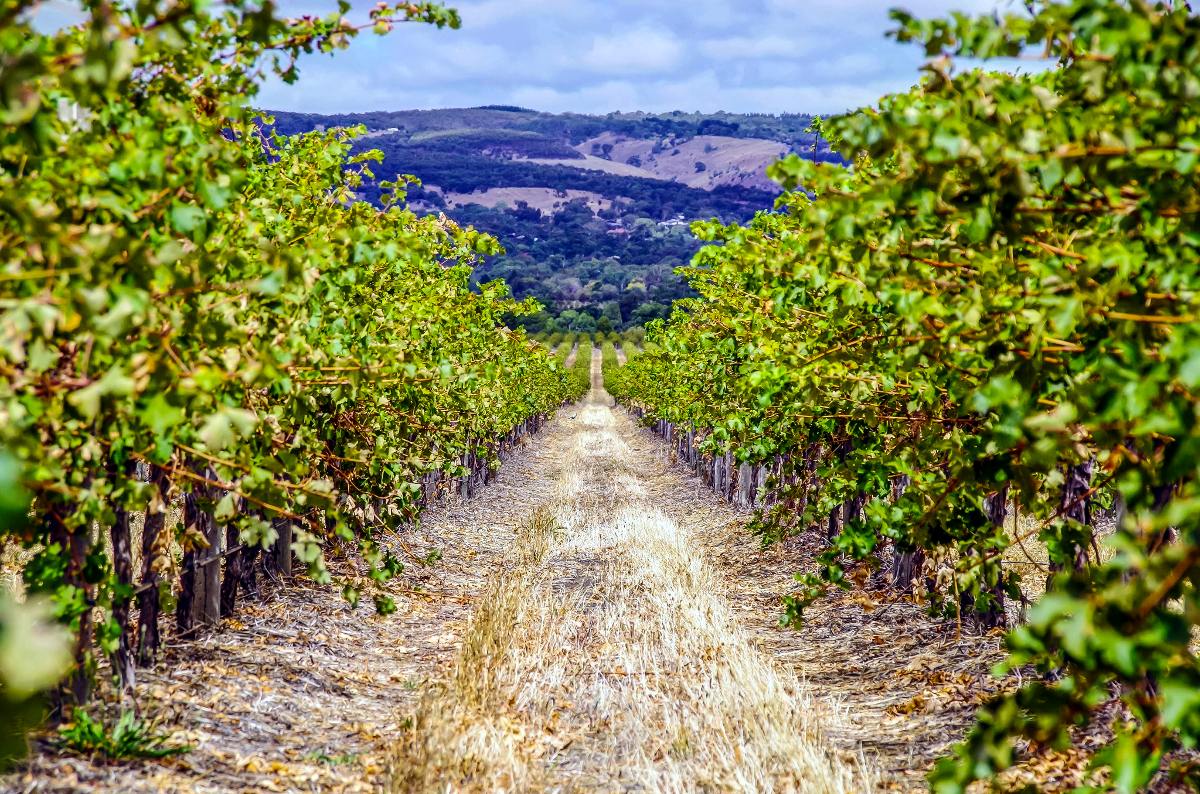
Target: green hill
{"x": 592, "y": 210}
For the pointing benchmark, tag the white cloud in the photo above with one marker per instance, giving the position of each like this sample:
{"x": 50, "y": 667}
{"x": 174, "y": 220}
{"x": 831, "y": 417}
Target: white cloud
{"x": 611, "y": 95}
{"x": 638, "y": 51}
{"x": 739, "y": 47}
{"x": 482, "y": 14}
{"x": 462, "y": 58}
{"x": 704, "y": 92}
{"x": 874, "y": 12}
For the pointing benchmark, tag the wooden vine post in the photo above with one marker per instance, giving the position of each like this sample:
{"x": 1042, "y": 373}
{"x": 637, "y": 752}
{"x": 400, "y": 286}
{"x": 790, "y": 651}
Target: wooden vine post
{"x": 200, "y": 583}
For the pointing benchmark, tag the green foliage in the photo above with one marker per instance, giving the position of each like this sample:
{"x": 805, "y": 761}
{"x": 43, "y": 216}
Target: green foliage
{"x": 581, "y": 368}
{"x": 609, "y": 363}
{"x": 128, "y": 737}
{"x": 998, "y": 303}
{"x": 34, "y": 654}
{"x": 180, "y": 290}
{"x": 563, "y": 351}
{"x": 632, "y": 338}
{"x": 34, "y": 651}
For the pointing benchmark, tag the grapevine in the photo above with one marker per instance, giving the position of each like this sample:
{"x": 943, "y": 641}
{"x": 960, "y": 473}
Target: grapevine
{"x": 195, "y": 311}
{"x": 994, "y": 308}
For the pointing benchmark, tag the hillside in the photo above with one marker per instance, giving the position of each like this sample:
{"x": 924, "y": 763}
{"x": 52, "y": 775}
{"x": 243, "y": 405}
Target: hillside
{"x": 592, "y": 210}
{"x": 571, "y": 129}
{"x": 701, "y": 161}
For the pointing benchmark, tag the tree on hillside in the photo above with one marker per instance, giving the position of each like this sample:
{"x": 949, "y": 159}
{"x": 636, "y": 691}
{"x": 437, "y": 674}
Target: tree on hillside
{"x": 612, "y": 312}
{"x": 651, "y": 310}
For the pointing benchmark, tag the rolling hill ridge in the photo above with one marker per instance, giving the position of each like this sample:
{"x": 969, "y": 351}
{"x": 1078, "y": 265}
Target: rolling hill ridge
{"x": 592, "y": 210}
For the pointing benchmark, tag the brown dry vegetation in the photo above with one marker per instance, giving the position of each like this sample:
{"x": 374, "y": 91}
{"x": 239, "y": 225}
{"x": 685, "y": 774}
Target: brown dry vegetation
{"x": 548, "y": 200}
{"x": 728, "y": 161}
{"x": 592, "y": 163}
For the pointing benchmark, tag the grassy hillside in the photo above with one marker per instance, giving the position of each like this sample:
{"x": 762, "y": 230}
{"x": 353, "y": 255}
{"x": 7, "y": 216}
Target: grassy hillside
{"x": 592, "y": 210}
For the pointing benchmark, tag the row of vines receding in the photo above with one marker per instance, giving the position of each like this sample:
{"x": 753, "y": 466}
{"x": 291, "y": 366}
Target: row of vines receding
{"x": 984, "y": 333}
{"x": 208, "y": 348}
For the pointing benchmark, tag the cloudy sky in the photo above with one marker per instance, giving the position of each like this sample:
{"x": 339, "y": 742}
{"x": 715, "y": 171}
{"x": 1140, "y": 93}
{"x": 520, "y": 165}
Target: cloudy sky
{"x": 595, "y": 56}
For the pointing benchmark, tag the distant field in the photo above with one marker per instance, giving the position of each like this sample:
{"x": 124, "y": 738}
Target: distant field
{"x": 546, "y": 199}
{"x": 600, "y": 164}
{"x": 703, "y": 161}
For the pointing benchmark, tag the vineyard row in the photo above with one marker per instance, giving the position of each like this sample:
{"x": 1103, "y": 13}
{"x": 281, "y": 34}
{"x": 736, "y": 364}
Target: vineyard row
{"x": 215, "y": 363}
{"x": 996, "y": 308}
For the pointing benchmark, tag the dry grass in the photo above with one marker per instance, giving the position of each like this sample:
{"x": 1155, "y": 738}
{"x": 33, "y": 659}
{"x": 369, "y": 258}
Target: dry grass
{"x": 592, "y": 163}
{"x": 545, "y": 199}
{"x": 604, "y": 657}
{"x": 891, "y": 684}
{"x": 12, "y": 562}
{"x": 464, "y": 729}
{"x": 1030, "y": 558}
{"x": 728, "y": 161}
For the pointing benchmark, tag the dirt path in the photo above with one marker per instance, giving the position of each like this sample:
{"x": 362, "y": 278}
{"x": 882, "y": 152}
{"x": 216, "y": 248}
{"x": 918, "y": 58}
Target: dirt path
{"x": 603, "y": 656}
{"x": 569, "y": 361}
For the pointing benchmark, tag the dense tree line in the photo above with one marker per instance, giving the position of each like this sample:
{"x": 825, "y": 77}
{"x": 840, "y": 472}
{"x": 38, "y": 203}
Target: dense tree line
{"x": 572, "y": 260}
{"x": 574, "y": 128}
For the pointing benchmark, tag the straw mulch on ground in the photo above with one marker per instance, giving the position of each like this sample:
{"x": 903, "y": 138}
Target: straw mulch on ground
{"x": 605, "y": 656}
{"x": 903, "y": 686}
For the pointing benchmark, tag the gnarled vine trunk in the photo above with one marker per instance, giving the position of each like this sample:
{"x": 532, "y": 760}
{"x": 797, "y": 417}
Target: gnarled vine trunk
{"x": 154, "y": 546}
{"x": 122, "y": 561}
{"x": 1075, "y": 504}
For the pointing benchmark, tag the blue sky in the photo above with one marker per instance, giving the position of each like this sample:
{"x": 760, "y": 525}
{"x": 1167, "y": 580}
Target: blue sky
{"x": 595, "y": 56}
